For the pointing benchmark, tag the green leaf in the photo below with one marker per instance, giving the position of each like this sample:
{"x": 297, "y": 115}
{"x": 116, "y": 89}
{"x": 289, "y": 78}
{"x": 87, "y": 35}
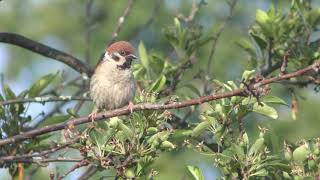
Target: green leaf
{"x": 247, "y": 46}
{"x": 300, "y": 154}
{"x": 265, "y": 99}
{"x": 72, "y": 112}
{"x": 200, "y": 128}
{"x": 40, "y": 85}
{"x": 159, "y": 84}
{"x": 143, "y": 56}
{"x": 259, "y": 40}
{"x": 177, "y": 25}
{"x": 273, "y": 100}
{"x": 196, "y": 172}
{"x": 247, "y": 75}
{"x": 263, "y": 20}
{"x": 9, "y": 94}
{"x": 262, "y": 172}
{"x": 265, "y": 110}
{"x": 55, "y": 120}
{"x": 127, "y": 131}
{"x": 261, "y": 17}
{"x": 257, "y": 146}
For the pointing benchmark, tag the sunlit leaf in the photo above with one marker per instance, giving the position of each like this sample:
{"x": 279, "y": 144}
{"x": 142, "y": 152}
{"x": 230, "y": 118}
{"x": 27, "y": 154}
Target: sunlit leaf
{"x": 41, "y": 84}
{"x": 143, "y": 56}
{"x": 265, "y": 110}
{"x": 159, "y": 84}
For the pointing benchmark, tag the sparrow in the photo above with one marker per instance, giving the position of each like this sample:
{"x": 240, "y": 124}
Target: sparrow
{"x": 112, "y": 84}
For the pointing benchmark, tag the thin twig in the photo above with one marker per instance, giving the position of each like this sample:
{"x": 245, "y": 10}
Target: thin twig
{"x": 154, "y": 14}
{"x": 47, "y": 160}
{"x": 56, "y": 109}
{"x": 88, "y": 28}
{"x": 13, "y": 158}
{"x": 194, "y": 11}
{"x": 121, "y": 21}
{"x": 218, "y": 33}
{"x": 44, "y": 99}
{"x": 76, "y": 166}
{"x": 21, "y": 41}
{"x": 148, "y": 106}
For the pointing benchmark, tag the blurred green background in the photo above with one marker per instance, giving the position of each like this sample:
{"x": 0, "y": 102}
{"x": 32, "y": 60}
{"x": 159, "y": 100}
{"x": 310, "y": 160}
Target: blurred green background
{"x": 63, "y": 25}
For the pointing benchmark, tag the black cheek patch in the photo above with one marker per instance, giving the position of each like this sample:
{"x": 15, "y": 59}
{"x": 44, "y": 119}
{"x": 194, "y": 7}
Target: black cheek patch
{"x": 114, "y": 57}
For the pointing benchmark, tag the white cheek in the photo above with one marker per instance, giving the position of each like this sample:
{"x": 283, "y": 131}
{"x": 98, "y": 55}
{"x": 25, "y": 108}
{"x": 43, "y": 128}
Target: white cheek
{"x": 107, "y": 56}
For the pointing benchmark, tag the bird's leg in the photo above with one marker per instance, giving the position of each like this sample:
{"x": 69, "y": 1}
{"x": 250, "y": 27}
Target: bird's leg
{"x": 93, "y": 114}
{"x": 130, "y": 106}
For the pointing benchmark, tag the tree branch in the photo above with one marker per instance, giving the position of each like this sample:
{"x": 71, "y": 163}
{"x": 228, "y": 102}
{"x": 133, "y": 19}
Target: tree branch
{"x": 148, "y": 106}
{"x": 21, "y": 41}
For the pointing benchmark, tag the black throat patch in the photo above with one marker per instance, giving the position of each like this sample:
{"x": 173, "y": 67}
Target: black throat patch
{"x": 125, "y": 65}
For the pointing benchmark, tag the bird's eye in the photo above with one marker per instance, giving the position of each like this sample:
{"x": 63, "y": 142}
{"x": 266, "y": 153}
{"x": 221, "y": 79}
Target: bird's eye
{"x": 122, "y": 53}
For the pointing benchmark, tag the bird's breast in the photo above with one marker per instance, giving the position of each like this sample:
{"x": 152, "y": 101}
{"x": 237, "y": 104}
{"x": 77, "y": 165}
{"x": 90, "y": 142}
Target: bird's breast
{"x": 112, "y": 89}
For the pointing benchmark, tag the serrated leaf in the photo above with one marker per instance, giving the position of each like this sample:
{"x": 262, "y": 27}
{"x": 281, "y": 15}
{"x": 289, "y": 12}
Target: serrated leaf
{"x": 196, "y": 172}
{"x": 143, "y": 56}
{"x": 40, "y": 85}
{"x": 265, "y": 110}
{"x": 55, "y": 120}
{"x": 159, "y": 84}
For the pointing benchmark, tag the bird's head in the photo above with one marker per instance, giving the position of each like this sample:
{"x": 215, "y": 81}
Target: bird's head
{"x": 121, "y": 54}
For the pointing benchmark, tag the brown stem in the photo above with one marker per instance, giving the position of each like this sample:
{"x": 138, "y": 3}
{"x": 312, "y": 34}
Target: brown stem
{"x": 76, "y": 166}
{"x": 21, "y": 41}
{"x": 148, "y": 106}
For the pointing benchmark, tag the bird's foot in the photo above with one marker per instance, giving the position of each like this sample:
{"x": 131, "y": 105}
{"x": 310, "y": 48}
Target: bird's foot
{"x": 130, "y": 107}
{"x": 93, "y": 115}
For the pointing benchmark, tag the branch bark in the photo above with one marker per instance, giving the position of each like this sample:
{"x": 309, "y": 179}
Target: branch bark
{"x": 39, "y": 48}
{"x": 148, "y": 106}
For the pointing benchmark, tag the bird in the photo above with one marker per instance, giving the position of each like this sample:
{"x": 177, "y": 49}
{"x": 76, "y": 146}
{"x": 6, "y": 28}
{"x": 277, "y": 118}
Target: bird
{"x": 112, "y": 84}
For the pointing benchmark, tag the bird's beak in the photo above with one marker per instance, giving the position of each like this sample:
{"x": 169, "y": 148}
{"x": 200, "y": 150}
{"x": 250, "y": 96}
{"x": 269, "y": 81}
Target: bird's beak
{"x": 131, "y": 57}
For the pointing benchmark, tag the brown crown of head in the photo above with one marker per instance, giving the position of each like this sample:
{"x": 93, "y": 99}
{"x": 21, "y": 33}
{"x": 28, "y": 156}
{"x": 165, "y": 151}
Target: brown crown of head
{"x": 120, "y": 46}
